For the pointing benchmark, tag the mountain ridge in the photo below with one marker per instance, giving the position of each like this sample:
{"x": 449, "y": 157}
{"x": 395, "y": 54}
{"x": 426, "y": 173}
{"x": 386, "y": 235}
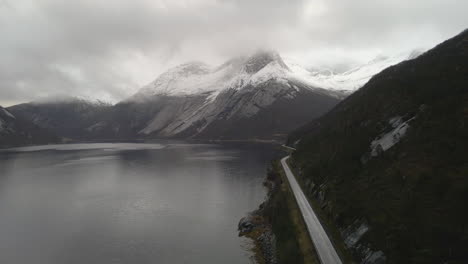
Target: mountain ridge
{"x": 246, "y": 97}
{"x": 387, "y": 165}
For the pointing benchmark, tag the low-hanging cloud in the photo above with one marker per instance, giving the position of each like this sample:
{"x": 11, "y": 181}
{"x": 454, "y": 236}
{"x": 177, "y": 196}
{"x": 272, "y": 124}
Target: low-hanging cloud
{"x": 108, "y": 49}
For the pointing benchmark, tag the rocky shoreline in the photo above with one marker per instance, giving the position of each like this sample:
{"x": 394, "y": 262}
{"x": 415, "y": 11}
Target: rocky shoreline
{"x": 276, "y": 228}
{"x": 255, "y": 227}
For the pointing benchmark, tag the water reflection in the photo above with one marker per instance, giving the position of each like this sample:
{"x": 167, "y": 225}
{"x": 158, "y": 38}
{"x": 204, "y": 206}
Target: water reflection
{"x": 119, "y": 203}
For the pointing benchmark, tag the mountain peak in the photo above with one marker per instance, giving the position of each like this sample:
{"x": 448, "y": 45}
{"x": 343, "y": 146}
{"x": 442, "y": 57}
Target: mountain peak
{"x": 262, "y": 58}
{"x": 193, "y": 67}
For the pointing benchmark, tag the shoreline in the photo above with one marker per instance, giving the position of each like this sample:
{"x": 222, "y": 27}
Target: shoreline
{"x": 276, "y": 227}
{"x": 143, "y": 140}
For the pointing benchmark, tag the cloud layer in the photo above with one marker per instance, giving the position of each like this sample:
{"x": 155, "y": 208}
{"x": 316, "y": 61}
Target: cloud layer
{"x": 108, "y": 49}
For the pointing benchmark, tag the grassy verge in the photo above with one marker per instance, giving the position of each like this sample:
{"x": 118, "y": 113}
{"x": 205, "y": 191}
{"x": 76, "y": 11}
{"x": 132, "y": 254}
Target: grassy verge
{"x": 330, "y": 228}
{"x": 293, "y": 244}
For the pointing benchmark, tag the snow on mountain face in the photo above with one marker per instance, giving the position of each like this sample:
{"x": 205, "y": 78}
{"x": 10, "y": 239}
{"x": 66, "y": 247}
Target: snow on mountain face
{"x": 193, "y": 97}
{"x": 209, "y": 94}
{"x": 183, "y": 80}
{"x": 261, "y": 59}
{"x": 199, "y": 78}
{"x": 389, "y": 139}
{"x": 348, "y": 81}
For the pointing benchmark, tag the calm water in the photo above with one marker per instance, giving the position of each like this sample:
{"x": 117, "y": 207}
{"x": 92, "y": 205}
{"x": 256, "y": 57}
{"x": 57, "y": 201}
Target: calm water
{"x": 128, "y": 203}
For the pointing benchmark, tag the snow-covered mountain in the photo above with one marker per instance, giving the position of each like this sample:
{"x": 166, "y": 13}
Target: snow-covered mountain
{"x": 255, "y": 96}
{"x": 199, "y": 78}
{"x": 350, "y": 80}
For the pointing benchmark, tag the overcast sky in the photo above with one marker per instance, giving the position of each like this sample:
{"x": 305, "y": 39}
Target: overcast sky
{"x": 108, "y": 49}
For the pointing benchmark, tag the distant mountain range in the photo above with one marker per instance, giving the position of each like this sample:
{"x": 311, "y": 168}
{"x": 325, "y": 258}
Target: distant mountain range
{"x": 348, "y": 81}
{"x": 70, "y": 118}
{"x": 388, "y": 165}
{"x": 255, "y": 97}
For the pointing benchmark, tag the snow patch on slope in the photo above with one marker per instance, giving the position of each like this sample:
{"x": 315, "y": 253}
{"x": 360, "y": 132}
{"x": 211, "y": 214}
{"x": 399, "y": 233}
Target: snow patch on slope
{"x": 389, "y": 139}
{"x": 272, "y": 71}
{"x": 186, "y": 79}
{"x": 354, "y": 235}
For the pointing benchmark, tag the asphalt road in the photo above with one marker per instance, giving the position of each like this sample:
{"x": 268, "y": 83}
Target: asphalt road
{"x": 325, "y": 250}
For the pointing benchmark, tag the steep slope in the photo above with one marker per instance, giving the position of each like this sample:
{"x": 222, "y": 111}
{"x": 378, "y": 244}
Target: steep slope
{"x": 15, "y": 131}
{"x": 68, "y": 117}
{"x": 246, "y": 97}
{"x": 388, "y": 165}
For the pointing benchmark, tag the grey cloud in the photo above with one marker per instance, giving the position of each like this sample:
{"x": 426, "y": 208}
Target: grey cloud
{"x": 107, "y": 49}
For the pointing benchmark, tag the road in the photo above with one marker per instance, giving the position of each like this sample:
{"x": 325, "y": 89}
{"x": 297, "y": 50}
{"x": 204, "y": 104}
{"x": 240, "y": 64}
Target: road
{"x": 325, "y": 250}
{"x": 288, "y": 147}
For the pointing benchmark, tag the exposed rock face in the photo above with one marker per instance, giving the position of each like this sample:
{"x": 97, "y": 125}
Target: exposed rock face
{"x": 352, "y": 236}
{"x": 377, "y": 257}
{"x": 354, "y": 232}
{"x": 246, "y": 224}
{"x": 255, "y": 227}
